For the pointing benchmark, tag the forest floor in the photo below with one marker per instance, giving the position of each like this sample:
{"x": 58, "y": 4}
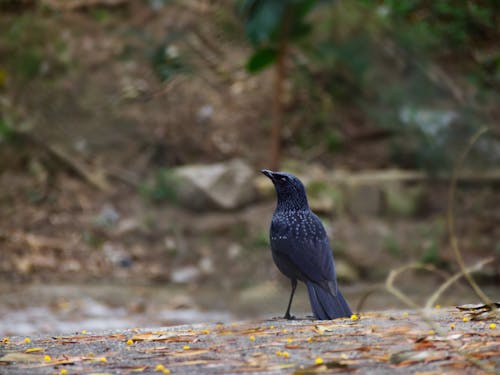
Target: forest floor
{"x": 389, "y": 342}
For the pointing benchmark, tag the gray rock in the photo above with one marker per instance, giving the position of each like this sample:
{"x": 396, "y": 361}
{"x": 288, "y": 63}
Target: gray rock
{"x": 224, "y": 186}
{"x": 185, "y": 274}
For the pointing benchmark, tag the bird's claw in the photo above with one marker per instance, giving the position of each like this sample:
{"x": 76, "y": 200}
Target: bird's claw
{"x": 289, "y": 317}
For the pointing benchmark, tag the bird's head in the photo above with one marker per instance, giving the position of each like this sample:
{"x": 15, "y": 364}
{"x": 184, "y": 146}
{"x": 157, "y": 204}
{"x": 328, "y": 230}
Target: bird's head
{"x": 289, "y": 189}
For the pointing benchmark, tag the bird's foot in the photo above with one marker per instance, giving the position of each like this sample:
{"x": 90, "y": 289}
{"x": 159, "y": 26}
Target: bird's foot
{"x": 289, "y": 317}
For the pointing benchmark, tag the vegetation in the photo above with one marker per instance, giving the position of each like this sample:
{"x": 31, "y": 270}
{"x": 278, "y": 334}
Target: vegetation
{"x": 438, "y": 63}
{"x": 346, "y": 49}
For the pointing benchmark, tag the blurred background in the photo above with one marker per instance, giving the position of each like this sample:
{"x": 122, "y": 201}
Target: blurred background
{"x": 132, "y": 133}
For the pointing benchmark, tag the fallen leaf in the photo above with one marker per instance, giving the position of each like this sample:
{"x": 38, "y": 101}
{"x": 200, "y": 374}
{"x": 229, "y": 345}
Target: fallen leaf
{"x": 407, "y": 358}
{"x": 190, "y": 352}
{"x": 194, "y": 362}
{"x": 321, "y": 368}
{"x": 21, "y": 357}
{"x": 293, "y": 346}
{"x": 34, "y": 350}
{"x": 188, "y": 337}
{"x": 476, "y": 306}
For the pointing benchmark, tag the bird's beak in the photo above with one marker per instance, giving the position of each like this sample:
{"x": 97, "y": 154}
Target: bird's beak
{"x": 267, "y": 173}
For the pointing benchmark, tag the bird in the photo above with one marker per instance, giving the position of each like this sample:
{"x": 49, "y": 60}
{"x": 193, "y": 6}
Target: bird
{"x": 301, "y": 249}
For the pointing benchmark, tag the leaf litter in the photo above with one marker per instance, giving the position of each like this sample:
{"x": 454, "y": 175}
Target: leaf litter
{"x": 374, "y": 343}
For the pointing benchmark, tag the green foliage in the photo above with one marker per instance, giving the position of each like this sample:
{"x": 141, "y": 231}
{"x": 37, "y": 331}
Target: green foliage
{"x": 162, "y": 187}
{"x": 271, "y": 23}
{"x": 166, "y": 59}
{"x": 431, "y": 254}
{"x": 31, "y": 48}
{"x": 263, "y": 19}
{"x": 91, "y": 239}
{"x": 401, "y": 65}
{"x": 7, "y": 134}
{"x": 261, "y": 59}
{"x": 429, "y": 24}
{"x": 431, "y": 237}
{"x": 261, "y": 240}
{"x": 101, "y": 14}
{"x": 393, "y": 246}
{"x": 333, "y": 140}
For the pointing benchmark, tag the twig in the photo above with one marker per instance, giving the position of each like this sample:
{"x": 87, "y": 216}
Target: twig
{"x": 96, "y": 177}
{"x": 433, "y": 298}
{"x": 451, "y": 222}
{"x": 389, "y": 284}
{"x": 366, "y": 295}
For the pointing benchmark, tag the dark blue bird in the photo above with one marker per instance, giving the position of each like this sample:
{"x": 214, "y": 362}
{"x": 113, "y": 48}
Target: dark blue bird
{"x": 301, "y": 250}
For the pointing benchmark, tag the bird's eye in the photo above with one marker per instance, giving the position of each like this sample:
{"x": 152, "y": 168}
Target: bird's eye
{"x": 284, "y": 179}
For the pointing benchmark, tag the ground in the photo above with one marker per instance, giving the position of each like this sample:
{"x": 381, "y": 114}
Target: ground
{"x": 389, "y": 342}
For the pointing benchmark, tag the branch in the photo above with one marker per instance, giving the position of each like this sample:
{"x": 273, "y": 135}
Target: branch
{"x": 451, "y": 222}
{"x": 423, "y": 312}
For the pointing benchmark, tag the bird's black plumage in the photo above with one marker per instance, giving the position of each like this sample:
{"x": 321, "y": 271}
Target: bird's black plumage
{"x": 301, "y": 249}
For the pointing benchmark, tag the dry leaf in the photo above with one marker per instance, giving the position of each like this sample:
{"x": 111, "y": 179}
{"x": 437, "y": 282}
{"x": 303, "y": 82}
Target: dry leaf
{"x": 294, "y": 346}
{"x": 188, "y": 337}
{"x": 190, "y": 352}
{"x": 407, "y": 358}
{"x": 34, "y": 350}
{"x": 322, "y": 368}
{"x": 21, "y": 357}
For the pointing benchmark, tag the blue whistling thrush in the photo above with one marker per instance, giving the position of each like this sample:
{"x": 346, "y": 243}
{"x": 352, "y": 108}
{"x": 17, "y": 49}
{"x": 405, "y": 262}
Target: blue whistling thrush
{"x": 301, "y": 250}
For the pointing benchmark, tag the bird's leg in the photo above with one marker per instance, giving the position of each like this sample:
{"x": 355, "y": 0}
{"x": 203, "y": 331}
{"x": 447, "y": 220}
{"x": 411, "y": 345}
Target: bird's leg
{"x": 287, "y": 314}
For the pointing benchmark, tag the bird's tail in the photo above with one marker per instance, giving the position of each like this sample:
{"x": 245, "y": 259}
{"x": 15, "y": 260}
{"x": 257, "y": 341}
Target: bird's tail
{"x": 325, "y": 305}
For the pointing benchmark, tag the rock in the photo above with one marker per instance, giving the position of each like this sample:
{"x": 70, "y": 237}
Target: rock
{"x": 117, "y": 255}
{"x": 108, "y": 216}
{"x": 185, "y": 274}
{"x": 224, "y": 186}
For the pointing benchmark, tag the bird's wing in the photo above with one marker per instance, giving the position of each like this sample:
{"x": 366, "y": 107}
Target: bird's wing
{"x": 312, "y": 258}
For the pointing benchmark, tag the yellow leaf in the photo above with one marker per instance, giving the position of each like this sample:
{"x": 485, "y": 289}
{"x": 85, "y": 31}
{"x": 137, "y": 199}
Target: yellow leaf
{"x": 34, "y": 350}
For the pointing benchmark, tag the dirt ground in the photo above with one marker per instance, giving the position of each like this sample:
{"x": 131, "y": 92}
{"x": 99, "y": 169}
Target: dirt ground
{"x": 390, "y": 342}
